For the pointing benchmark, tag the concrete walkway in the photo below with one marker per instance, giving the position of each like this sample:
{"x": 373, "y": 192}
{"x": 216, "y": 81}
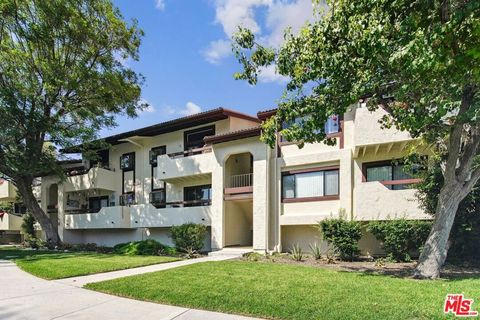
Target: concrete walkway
{"x": 23, "y": 296}
{"x": 83, "y": 280}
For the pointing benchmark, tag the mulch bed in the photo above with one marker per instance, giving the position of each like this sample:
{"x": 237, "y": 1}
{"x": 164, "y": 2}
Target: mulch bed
{"x": 368, "y": 265}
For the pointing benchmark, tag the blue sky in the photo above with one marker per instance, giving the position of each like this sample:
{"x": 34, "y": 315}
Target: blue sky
{"x": 186, "y": 58}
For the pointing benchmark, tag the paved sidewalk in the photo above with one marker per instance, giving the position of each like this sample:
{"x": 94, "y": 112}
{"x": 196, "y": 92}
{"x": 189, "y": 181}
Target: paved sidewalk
{"x": 23, "y": 296}
{"x": 83, "y": 280}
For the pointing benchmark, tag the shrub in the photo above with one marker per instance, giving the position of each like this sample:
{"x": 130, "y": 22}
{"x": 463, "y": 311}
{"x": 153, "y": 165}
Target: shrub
{"x": 189, "y": 237}
{"x": 147, "y": 247}
{"x": 400, "y": 238}
{"x": 252, "y": 256}
{"x": 297, "y": 253}
{"x": 343, "y": 235}
{"x": 35, "y": 243}
{"x": 316, "y": 253}
{"x": 28, "y": 226}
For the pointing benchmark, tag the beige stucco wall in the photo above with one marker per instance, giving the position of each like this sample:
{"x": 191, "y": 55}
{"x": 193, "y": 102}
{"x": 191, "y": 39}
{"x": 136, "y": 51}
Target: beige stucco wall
{"x": 238, "y": 223}
{"x": 8, "y": 192}
{"x": 11, "y": 222}
{"x": 222, "y": 152}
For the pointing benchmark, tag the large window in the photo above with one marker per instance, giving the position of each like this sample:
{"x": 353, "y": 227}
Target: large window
{"x": 156, "y": 183}
{"x": 193, "y": 139}
{"x": 197, "y": 195}
{"x": 390, "y": 174}
{"x": 310, "y": 185}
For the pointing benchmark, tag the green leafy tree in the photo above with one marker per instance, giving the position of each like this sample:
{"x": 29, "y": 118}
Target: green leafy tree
{"x": 465, "y": 234}
{"x": 61, "y": 80}
{"x": 419, "y": 60}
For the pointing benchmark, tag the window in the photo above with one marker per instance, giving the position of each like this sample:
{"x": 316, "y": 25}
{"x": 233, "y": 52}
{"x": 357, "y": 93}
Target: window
{"x": 193, "y": 139}
{"x": 197, "y": 195}
{"x": 102, "y": 159}
{"x": 158, "y": 199}
{"x": 332, "y": 125}
{"x": 97, "y": 203}
{"x": 390, "y": 174}
{"x": 155, "y": 152}
{"x": 310, "y": 185}
{"x": 127, "y": 161}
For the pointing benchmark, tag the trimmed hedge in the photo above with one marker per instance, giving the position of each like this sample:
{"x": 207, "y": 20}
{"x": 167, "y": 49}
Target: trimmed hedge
{"x": 400, "y": 238}
{"x": 147, "y": 247}
{"x": 189, "y": 237}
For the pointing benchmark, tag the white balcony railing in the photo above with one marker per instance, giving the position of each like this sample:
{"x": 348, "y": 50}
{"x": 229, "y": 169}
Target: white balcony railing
{"x": 241, "y": 180}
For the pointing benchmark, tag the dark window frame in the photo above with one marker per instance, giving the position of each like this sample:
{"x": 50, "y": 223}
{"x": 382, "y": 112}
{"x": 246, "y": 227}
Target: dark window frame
{"x": 187, "y": 203}
{"x": 99, "y": 198}
{"x": 388, "y": 183}
{"x": 154, "y": 165}
{"x": 128, "y": 169}
{"x": 186, "y": 146}
{"x": 315, "y": 198}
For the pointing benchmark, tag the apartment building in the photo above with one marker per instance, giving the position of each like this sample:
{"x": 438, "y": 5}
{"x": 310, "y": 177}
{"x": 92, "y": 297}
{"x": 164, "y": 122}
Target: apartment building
{"x": 212, "y": 168}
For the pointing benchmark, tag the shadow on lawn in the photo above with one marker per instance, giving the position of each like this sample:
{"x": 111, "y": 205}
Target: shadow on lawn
{"x": 449, "y": 272}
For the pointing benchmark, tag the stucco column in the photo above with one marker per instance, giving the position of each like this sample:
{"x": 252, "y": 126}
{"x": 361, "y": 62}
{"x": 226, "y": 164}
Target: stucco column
{"x": 346, "y": 182}
{"x": 217, "y": 216}
{"x": 61, "y": 211}
{"x": 260, "y": 204}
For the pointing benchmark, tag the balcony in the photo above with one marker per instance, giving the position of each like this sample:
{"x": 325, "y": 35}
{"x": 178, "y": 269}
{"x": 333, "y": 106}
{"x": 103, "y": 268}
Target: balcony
{"x": 376, "y": 201}
{"x": 8, "y": 192}
{"x": 116, "y": 217}
{"x": 95, "y": 178}
{"x": 185, "y": 164}
{"x": 173, "y": 214}
{"x": 10, "y": 222}
{"x": 240, "y": 187}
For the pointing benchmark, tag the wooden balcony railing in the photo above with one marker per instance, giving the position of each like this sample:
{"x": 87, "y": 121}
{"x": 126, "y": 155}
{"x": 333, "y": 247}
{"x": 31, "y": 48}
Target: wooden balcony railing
{"x": 181, "y": 204}
{"x": 191, "y": 152}
{"x": 241, "y": 180}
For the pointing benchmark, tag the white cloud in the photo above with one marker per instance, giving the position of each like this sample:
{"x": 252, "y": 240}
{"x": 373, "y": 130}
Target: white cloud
{"x": 189, "y": 109}
{"x": 233, "y": 13}
{"x": 282, "y": 15}
{"x": 269, "y": 75}
{"x": 217, "y": 51}
{"x": 279, "y": 15}
{"x": 160, "y": 4}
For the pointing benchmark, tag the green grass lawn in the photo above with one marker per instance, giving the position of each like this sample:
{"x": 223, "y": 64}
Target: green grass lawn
{"x": 292, "y": 292}
{"x": 56, "y": 265}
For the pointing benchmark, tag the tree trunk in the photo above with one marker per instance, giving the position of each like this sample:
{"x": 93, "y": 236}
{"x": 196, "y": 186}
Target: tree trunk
{"x": 435, "y": 250}
{"x": 29, "y": 200}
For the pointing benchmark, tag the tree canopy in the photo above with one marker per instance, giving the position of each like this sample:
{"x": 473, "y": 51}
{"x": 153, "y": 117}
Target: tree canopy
{"x": 62, "y": 78}
{"x": 419, "y": 60}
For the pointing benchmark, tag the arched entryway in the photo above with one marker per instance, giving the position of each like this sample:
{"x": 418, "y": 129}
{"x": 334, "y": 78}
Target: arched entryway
{"x": 238, "y": 200}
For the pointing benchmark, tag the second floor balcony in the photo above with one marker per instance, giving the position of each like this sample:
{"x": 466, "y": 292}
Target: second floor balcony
{"x": 10, "y": 222}
{"x": 116, "y": 217}
{"x": 239, "y": 186}
{"x": 8, "y": 192}
{"x": 185, "y": 164}
{"x": 94, "y": 178}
